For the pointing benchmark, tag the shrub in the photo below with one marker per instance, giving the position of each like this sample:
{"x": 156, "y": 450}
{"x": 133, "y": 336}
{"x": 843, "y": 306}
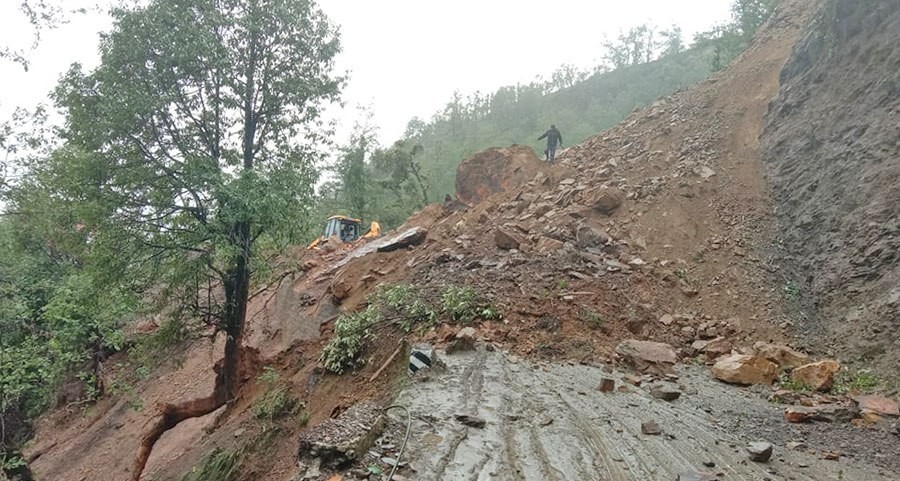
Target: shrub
{"x": 350, "y": 333}
{"x": 464, "y": 305}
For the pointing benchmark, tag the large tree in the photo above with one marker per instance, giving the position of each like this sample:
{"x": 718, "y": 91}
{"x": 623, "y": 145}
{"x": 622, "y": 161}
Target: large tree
{"x": 195, "y": 137}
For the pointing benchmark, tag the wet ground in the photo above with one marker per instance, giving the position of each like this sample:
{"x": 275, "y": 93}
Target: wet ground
{"x": 549, "y": 422}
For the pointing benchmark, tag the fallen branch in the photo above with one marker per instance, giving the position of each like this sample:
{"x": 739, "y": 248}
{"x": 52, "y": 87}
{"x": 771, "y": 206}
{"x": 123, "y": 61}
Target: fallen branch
{"x": 388, "y": 362}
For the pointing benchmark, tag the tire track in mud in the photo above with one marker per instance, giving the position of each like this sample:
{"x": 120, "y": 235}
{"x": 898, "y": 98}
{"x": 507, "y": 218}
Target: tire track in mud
{"x": 548, "y": 423}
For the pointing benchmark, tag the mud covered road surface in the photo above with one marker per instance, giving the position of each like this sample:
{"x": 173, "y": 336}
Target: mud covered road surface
{"x": 550, "y": 422}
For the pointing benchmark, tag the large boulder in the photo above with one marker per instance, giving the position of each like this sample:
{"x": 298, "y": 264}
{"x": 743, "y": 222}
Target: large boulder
{"x": 647, "y": 355}
{"x": 784, "y": 356}
{"x": 745, "y": 370}
{"x": 495, "y": 170}
{"x": 819, "y": 376}
{"x": 606, "y": 201}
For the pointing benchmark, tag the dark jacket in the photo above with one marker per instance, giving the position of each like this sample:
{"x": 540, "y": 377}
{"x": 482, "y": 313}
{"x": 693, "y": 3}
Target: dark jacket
{"x": 553, "y": 137}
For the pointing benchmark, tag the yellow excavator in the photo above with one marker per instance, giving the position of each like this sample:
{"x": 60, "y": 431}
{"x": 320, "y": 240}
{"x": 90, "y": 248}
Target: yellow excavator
{"x": 347, "y": 230}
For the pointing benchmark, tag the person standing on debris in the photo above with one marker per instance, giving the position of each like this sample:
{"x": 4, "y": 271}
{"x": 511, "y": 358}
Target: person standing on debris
{"x": 554, "y": 138}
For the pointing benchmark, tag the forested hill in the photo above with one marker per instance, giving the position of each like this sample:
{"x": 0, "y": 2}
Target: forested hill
{"x": 519, "y": 114}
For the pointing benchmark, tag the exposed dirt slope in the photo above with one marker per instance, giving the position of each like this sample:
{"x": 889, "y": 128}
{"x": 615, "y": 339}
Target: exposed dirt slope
{"x": 832, "y": 145}
{"x": 665, "y": 217}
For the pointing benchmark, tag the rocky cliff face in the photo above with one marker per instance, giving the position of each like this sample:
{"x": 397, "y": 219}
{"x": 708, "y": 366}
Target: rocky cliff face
{"x": 832, "y": 150}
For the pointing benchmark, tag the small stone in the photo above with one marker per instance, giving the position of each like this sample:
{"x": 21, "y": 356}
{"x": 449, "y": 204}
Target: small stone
{"x": 760, "y": 452}
{"x": 831, "y": 455}
{"x": 463, "y": 341}
{"x": 796, "y": 445}
{"x": 239, "y": 432}
{"x": 471, "y": 421}
{"x": 666, "y": 319}
{"x": 665, "y": 393}
{"x": 607, "y": 385}
{"x": 651, "y": 427}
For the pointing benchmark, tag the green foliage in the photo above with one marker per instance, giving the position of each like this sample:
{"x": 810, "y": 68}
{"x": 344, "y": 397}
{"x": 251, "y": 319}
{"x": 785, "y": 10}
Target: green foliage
{"x": 277, "y": 401}
{"x": 219, "y": 465}
{"x": 465, "y": 304}
{"x": 786, "y": 382}
{"x": 862, "y": 381}
{"x": 404, "y": 303}
{"x": 728, "y": 40}
{"x": 161, "y": 345}
{"x": 350, "y": 333}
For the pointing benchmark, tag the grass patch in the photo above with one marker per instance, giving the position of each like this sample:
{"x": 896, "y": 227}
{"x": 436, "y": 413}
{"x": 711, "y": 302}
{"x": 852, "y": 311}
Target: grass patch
{"x": 277, "y": 401}
{"x": 862, "y": 381}
{"x": 590, "y": 317}
{"x": 786, "y": 382}
{"x": 219, "y": 465}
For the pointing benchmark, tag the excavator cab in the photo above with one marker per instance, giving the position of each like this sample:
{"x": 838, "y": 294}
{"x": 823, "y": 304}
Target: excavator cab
{"x": 346, "y": 229}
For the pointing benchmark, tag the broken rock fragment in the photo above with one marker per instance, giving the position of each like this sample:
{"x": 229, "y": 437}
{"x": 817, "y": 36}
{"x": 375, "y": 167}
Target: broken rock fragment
{"x": 647, "y": 354}
{"x": 651, "y": 428}
{"x": 760, "y": 451}
{"x": 745, "y": 370}
{"x": 819, "y": 376}
{"x": 471, "y": 421}
{"x": 506, "y": 240}
{"x": 878, "y": 405}
{"x": 784, "y": 356}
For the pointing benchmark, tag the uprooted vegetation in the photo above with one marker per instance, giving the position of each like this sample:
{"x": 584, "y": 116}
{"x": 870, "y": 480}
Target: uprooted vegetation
{"x": 408, "y": 309}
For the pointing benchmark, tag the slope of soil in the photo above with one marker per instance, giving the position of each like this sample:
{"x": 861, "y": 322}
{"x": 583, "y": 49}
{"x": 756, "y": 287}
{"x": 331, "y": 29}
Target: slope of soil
{"x": 550, "y": 422}
{"x": 661, "y": 228}
{"x": 832, "y": 147}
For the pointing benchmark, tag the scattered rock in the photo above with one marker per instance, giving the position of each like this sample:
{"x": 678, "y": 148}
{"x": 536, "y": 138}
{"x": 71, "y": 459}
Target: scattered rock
{"x": 586, "y": 236}
{"x": 340, "y": 441}
{"x": 651, "y": 428}
{"x": 760, "y": 452}
{"x": 744, "y": 369}
{"x": 471, "y": 421}
{"x": 665, "y": 392}
{"x": 784, "y": 356}
{"x": 607, "y": 385}
{"x": 463, "y": 341}
{"x": 829, "y": 412}
{"x": 548, "y": 244}
{"x": 666, "y": 320}
{"x": 795, "y": 445}
{"x": 717, "y": 347}
{"x": 506, "y": 240}
{"x": 647, "y": 354}
{"x": 878, "y": 405}
{"x": 819, "y": 376}
{"x": 606, "y": 201}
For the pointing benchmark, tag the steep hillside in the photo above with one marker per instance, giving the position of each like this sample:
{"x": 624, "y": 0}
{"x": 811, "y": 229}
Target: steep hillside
{"x": 518, "y": 115}
{"x": 661, "y": 228}
{"x": 832, "y": 148}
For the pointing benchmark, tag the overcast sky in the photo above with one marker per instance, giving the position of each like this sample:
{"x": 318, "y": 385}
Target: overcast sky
{"x": 405, "y": 57}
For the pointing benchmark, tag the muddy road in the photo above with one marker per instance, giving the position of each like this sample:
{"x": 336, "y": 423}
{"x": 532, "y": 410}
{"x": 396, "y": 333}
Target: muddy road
{"x": 550, "y": 422}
